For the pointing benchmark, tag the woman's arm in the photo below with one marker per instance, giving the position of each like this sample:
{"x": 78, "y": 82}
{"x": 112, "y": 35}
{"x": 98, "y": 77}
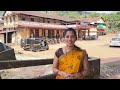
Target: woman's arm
{"x": 55, "y": 65}
{"x": 85, "y": 68}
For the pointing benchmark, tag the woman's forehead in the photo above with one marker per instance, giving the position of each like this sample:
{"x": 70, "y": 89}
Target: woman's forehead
{"x": 69, "y": 33}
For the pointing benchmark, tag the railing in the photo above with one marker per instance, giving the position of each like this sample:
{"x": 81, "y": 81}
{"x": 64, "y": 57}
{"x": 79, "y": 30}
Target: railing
{"x": 94, "y": 66}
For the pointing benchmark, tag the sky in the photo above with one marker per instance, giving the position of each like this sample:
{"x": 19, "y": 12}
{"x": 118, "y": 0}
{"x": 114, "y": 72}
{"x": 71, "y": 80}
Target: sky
{"x": 107, "y": 12}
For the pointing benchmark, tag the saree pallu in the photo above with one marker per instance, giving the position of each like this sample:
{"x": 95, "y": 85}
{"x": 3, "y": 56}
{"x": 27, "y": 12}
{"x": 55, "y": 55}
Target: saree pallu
{"x": 71, "y": 62}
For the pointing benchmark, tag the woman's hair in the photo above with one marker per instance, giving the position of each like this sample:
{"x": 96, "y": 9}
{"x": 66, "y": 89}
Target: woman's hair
{"x": 70, "y": 29}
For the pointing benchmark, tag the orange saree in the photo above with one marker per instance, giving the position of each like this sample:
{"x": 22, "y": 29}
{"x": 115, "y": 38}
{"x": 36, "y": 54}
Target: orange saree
{"x": 71, "y": 62}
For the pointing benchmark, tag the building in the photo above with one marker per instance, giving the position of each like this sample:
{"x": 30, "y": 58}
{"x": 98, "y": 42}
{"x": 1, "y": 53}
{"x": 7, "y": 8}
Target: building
{"x": 30, "y": 24}
{"x": 98, "y": 22}
{"x": 1, "y": 28}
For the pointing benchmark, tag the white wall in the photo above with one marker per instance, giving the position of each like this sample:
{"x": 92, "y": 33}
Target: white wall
{"x": 13, "y": 38}
{"x": 2, "y": 38}
{"x": 93, "y": 31}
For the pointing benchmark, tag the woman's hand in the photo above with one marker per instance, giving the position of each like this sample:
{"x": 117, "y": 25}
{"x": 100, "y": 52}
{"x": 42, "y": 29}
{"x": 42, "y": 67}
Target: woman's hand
{"x": 77, "y": 75}
{"x": 66, "y": 75}
{"x": 70, "y": 75}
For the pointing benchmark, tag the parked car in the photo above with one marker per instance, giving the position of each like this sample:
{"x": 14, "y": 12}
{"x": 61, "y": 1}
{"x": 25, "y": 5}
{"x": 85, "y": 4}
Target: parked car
{"x": 118, "y": 35}
{"x": 115, "y": 42}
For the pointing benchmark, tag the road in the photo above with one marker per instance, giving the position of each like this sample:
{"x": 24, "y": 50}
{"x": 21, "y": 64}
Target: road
{"x": 95, "y": 48}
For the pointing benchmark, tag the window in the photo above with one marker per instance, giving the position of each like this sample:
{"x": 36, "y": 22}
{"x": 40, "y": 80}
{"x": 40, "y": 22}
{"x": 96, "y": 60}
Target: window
{"x": 10, "y": 19}
{"x": 116, "y": 39}
{"x": 14, "y": 18}
{"x": 23, "y": 19}
{"x": 6, "y": 19}
{"x": 32, "y": 19}
{"x": 48, "y": 20}
{"x": 14, "y": 28}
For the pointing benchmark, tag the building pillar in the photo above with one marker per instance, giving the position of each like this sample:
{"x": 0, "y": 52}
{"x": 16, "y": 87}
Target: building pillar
{"x": 46, "y": 33}
{"x": 6, "y": 37}
{"x": 16, "y": 42}
{"x": 34, "y": 33}
{"x": 88, "y": 32}
{"x": 40, "y": 32}
{"x": 55, "y": 33}
{"x": 77, "y": 29}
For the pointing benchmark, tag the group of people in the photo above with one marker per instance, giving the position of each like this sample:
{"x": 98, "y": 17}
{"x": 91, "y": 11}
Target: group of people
{"x": 70, "y": 61}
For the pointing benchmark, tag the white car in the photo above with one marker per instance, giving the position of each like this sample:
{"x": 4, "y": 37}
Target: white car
{"x": 118, "y": 35}
{"x": 115, "y": 42}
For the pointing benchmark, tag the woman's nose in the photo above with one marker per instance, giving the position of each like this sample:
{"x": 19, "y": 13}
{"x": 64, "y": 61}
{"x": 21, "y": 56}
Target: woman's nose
{"x": 69, "y": 38}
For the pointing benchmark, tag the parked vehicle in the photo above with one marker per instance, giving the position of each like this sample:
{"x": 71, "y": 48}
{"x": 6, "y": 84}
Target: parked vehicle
{"x": 34, "y": 44}
{"x": 93, "y": 35}
{"x": 118, "y": 35}
{"x": 115, "y": 42}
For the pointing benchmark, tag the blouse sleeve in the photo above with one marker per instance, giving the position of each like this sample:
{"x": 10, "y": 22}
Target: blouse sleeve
{"x": 58, "y": 52}
{"x": 85, "y": 53}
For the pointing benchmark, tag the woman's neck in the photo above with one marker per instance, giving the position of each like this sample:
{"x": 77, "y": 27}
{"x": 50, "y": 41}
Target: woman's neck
{"x": 69, "y": 48}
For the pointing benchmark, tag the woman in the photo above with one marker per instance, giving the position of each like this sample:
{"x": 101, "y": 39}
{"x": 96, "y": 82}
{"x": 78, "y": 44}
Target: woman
{"x": 70, "y": 62}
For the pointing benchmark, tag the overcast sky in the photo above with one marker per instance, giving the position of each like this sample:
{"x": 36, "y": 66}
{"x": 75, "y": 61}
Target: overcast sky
{"x": 108, "y": 12}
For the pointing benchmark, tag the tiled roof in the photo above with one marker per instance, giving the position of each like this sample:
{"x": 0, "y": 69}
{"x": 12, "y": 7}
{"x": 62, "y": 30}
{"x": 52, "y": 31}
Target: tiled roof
{"x": 39, "y": 14}
{"x": 95, "y": 19}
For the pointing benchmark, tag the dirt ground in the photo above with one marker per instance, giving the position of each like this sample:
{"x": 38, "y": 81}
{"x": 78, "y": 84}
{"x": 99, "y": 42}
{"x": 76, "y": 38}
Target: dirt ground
{"x": 95, "y": 48}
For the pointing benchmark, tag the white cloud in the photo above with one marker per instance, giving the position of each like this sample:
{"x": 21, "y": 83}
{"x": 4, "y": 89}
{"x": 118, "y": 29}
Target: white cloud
{"x": 107, "y": 12}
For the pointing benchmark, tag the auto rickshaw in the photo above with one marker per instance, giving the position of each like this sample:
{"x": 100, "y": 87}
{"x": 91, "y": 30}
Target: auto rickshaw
{"x": 34, "y": 44}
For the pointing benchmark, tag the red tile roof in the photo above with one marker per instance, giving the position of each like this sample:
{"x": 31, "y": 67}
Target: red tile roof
{"x": 39, "y": 14}
{"x": 40, "y": 25}
{"x": 94, "y": 19}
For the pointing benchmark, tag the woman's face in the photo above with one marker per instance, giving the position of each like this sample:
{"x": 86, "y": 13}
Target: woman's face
{"x": 70, "y": 38}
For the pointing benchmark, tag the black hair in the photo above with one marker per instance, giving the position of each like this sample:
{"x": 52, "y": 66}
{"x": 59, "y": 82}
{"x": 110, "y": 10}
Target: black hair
{"x": 70, "y": 29}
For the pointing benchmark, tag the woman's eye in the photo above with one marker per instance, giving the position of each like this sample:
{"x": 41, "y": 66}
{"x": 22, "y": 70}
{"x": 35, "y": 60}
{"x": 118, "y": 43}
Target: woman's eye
{"x": 72, "y": 36}
{"x": 67, "y": 36}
